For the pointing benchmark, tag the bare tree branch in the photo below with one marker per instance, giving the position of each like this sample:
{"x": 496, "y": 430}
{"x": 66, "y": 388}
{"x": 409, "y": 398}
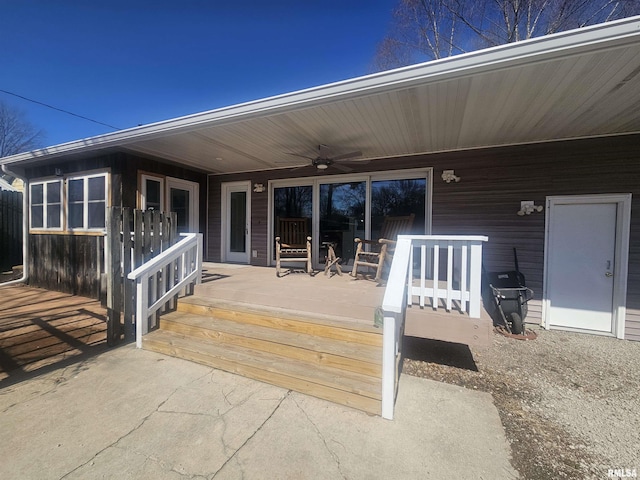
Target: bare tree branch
{"x": 428, "y": 29}
{"x": 17, "y": 134}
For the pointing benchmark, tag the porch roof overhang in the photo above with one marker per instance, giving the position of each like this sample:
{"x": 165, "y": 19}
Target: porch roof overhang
{"x": 575, "y": 84}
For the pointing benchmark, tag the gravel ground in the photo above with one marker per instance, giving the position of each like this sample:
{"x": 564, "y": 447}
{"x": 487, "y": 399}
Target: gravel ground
{"x": 569, "y": 403}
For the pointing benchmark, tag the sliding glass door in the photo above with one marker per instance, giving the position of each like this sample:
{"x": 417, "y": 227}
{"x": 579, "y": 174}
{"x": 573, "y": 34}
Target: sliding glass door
{"x": 340, "y": 208}
{"x": 291, "y": 202}
{"x": 342, "y": 218}
{"x": 398, "y": 197}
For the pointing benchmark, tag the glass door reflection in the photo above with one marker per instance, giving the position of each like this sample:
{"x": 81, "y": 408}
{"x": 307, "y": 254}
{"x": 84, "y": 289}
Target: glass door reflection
{"x": 342, "y": 218}
{"x": 292, "y": 202}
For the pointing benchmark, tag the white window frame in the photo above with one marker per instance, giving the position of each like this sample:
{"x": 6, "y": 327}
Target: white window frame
{"x": 143, "y": 190}
{"x": 85, "y": 201}
{"x": 45, "y": 204}
{"x": 194, "y": 198}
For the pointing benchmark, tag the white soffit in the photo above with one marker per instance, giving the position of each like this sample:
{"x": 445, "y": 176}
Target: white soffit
{"x": 575, "y": 84}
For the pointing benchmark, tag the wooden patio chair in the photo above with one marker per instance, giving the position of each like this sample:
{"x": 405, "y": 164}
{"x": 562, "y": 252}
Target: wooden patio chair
{"x": 381, "y": 250}
{"x": 293, "y": 244}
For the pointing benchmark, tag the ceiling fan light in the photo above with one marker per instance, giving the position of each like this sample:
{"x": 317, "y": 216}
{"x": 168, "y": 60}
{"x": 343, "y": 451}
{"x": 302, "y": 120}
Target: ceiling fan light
{"x": 321, "y": 166}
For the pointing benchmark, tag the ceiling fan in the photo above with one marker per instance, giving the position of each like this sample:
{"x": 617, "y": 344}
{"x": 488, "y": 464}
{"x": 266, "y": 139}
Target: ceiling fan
{"x": 324, "y": 159}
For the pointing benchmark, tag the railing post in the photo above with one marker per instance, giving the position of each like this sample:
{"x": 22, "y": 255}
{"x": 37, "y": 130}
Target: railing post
{"x": 449, "y": 274}
{"x": 463, "y": 277}
{"x": 475, "y": 279}
{"x": 389, "y": 369}
{"x": 142, "y": 299}
{"x": 394, "y": 309}
{"x": 199, "y": 254}
{"x": 436, "y": 275}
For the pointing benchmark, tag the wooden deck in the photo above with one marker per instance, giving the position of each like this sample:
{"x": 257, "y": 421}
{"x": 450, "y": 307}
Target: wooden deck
{"x": 41, "y": 329}
{"x": 340, "y": 298}
{"x": 311, "y": 333}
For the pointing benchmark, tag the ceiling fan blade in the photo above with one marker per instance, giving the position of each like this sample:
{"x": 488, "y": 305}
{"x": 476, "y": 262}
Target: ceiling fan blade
{"x": 298, "y": 167}
{"x": 347, "y": 156}
{"x": 342, "y": 168}
{"x": 301, "y": 156}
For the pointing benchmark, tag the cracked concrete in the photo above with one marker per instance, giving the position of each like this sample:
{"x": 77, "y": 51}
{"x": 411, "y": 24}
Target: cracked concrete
{"x": 133, "y": 414}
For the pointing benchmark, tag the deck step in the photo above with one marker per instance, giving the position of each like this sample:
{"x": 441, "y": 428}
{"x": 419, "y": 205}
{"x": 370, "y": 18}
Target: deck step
{"x": 300, "y": 322}
{"x": 328, "y": 358}
{"x": 304, "y": 347}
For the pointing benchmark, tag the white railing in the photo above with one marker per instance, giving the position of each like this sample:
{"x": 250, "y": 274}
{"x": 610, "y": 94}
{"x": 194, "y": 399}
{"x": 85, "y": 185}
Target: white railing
{"x": 460, "y": 282}
{"x": 181, "y": 265}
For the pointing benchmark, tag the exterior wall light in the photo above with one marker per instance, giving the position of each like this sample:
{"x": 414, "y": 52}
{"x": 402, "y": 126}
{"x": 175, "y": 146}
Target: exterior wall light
{"x": 527, "y": 207}
{"x": 449, "y": 176}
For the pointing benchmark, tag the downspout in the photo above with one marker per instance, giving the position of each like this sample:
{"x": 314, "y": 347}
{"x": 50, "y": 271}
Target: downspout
{"x": 25, "y": 228}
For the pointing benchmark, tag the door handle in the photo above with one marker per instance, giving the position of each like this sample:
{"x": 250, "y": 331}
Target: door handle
{"x": 608, "y": 274}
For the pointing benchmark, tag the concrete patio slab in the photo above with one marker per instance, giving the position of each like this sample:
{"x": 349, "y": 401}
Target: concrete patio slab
{"x": 131, "y": 413}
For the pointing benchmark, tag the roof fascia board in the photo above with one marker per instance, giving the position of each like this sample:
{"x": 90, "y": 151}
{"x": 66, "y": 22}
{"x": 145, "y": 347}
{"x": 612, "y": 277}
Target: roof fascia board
{"x": 597, "y": 37}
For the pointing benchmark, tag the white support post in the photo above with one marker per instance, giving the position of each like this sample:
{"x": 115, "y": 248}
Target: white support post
{"x": 475, "y": 280}
{"x": 410, "y": 278}
{"x": 449, "y": 275}
{"x": 436, "y": 280}
{"x": 423, "y": 273}
{"x": 389, "y": 370}
{"x": 199, "y": 260}
{"x": 463, "y": 277}
{"x": 142, "y": 295}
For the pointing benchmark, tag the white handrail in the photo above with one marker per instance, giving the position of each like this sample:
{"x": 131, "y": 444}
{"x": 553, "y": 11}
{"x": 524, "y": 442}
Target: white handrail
{"x": 393, "y": 307}
{"x": 400, "y": 292}
{"x": 185, "y": 257}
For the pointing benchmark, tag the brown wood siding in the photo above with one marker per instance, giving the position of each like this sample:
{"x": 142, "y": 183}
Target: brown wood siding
{"x": 10, "y": 229}
{"x": 67, "y": 263}
{"x": 485, "y": 201}
{"x": 214, "y": 223}
{"x": 259, "y": 223}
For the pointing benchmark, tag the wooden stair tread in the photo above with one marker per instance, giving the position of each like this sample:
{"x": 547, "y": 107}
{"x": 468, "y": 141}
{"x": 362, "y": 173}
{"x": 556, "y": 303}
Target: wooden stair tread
{"x": 347, "y": 388}
{"x": 247, "y": 314}
{"x": 301, "y": 346}
{"x": 345, "y": 322}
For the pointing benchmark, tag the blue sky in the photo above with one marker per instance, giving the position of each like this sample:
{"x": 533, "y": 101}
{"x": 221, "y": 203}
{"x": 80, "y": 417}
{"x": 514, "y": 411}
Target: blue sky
{"x": 135, "y": 62}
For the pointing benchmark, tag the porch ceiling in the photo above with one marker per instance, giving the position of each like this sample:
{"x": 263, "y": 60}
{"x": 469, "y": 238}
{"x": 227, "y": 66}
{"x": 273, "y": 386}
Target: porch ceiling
{"x": 575, "y": 84}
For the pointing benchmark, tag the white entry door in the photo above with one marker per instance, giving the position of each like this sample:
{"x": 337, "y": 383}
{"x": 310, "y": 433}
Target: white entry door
{"x": 581, "y": 263}
{"x": 236, "y": 214}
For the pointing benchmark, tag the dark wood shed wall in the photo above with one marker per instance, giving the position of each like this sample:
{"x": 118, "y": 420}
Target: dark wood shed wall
{"x": 493, "y": 183}
{"x": 73, "y": 263}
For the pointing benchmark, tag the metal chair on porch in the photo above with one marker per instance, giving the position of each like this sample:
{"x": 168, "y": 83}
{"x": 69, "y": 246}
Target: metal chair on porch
{"x": 293, "y": 243}
{"x": 381, "y": 251}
